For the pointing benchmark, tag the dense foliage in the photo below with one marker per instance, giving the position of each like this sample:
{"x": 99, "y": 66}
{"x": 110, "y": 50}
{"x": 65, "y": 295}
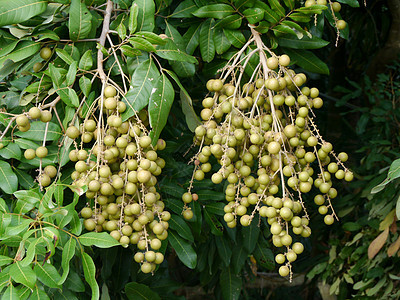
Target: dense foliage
{"x": 99, "y": 119}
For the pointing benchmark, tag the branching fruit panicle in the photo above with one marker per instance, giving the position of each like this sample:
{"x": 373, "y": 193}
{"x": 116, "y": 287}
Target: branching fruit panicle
{"x": 262, "y": 134}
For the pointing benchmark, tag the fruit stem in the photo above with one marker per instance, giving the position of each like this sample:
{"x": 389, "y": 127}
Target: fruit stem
{"x": 102, "y": 40}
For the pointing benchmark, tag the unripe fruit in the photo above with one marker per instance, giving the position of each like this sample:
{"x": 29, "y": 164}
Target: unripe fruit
{"x": 37, "y": 67}
{"x": 45, "y": 53}
{"x": 22, "y": 121}
{"x": 34, "y": 112}
{"x": 41, "y": 152}
{"x": 284, "y": 60}
{"x": 328, "y": 219}
{"x": 51, "y": 171}
{"x": 110, "y": 91}
{"x": 284, "y": 270}
{"x": 44, "y": 180}
{"x": 30, "y": 154}
{"x": 72, "y": 132}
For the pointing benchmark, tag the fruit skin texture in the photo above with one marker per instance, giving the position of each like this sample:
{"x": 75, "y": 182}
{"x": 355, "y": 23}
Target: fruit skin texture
{"x": 45, "y": 53}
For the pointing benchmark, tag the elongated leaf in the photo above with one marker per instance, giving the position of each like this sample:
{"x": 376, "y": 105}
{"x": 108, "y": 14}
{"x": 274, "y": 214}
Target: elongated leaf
{"x": 183, "y": 249}
{"x": 11, "y": 293}
{"x": 264, "y": 256}
{"x": 215, "y": 225}
{"x": 48, "y": 275}
{"x": 71, "y": 75}
{"x": 23, "y": 275}
{"x": 142, "y": 44}
{"x": 89, "y": 270}
{"x": 313, "y": 9}
{"x": 5, "y": 260}
{"x": 67, "y": 254}
{"x": 207, "y": 47}
{"x": 80, "y": 19}
{"x": 239, "y": 256}
{"x": 143, "y": 80}
{"x": 133, "y": 14}
{"x": 171, "y": 52}
{"x": 184, "y": 9}
{"x": 22, "y": 225}
{"x": 151, "y": 37}
{"x": 235, "y": 37}
{"x": 137, "y": 291}
{"x": 39, "y": 294}
{"x": 178, "y": 224}
{"x": 85, "y": 85}
{"x": 254, "y": 15}
{"x": 377, "y": 244}
{"x": 231, "y": 22}
{"x": 250, "y": 236}
{"x": 352, "y": 3}
{"x": 129, "y": 51}
{"x": 192, "y": 38}
{"x": 394, "y": 173}
{"x": 64, "y": 55}
{"x": 98, "y": 239}
{"x": 121, "y": 30}
{"x": 224, "y": 249}
{"x": 24, "y": 179}
{"x": 146, "y": 13}
{"x": 271, "y": 16}
{"x": 161, "y": 99}
{"x": 308, "y": 61}
{"x": 18, "y": 11}
{"x": 304, "y": 43}
{"x": 6, "y": 47}
{"x": 23, "y": 50}
{"x": 217, "y": 11}
{"x": 86, "y": 61}
{"x": 277, "y": 7}
{"x": 187, "y": 107}
{"x": 73, "y": 97}
{"x": 230, "y": 284}
{"x": 11, "y": 151}
{"x": 8, "y": 179}
{"x": 37, "y": 132}
{"x": 174, "y": 34}
{"x": 221, "y": 43}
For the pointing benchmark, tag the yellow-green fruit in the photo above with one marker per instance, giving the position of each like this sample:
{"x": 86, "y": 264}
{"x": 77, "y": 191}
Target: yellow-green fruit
{"x": 22, "y": 120}
{"x": 45, "y": 116}
{"x": 37, "y": 66}
{"x": 41, "y": 152}
{"x": 51, "y": 171}
{"x": 30, "y": 154}
{"x": 284, "y": 271}
{"x": 45, "y": 53}
{"x": 72, "y": 132}
{"x": 110, "y": 91}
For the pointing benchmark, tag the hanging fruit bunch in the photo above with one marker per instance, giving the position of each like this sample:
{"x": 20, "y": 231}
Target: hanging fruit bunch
{"x": 120, "y": 172}
{"x": 262, "y": 135}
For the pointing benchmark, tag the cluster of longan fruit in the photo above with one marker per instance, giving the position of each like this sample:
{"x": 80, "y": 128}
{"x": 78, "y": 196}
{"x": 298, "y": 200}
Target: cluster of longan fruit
{"x": 119, "y": 170}
{"x": 333, "y": 6}
{"x": 261, "y": 138}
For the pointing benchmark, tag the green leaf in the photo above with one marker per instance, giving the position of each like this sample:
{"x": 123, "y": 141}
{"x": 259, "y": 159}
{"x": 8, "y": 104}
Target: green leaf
{"x": 146, "y": 15}
{"x": 178, "y": 224}
{"x": 24, "y": 179}
{"x": 8, "y": 179}
{"x": 304, "y": 43}
{"x": 221, "y": 43}
{"x": 133, "y": 14}
{"x": 151, "y": 37}
{"x": 85, "y": 85}
{"x": 71, "y": 75}
{"x": 137, "y": 291}
{"x": 215, "y": 225}
{"x": 11, "y": 293}
{"x": 86, "y": 61}
{"x": 98, "y": 239}
{"x": 313, "y": 9}
{"x": 5, "y": 260}
{"x": 171, "y": 52}
{"x": 224, "y": 249}
{"x": 235, "y": 37}
{"x": 26, "y": 144}
{"x": 264, "y": 255}
{"x": 174, "y": 34}
{"x": 48, "y": 275}
{"x": 23, "y": 50}
{"x": 230, "y": 284}
{"x": 121, "y": 30}
{"x": 308, "y": 61}
{"x": 277, "y": 7}
{"x": 80, "y": 20}
{"x": 31, "y": 251}
{"x": 6, "y": 47}
{"x": 38, "y": 294}
{"x": 352, "y": 3}
{"x": 217, "y": 11}
{"x": 298, "y": 17}
{"x": 290, "y": 3}
{"x": 192, "y": 38}
{"x": 393, "y": 173}
{"x": 271, "y": 16}
{"x": 67, "y": 254}
{"x": 239, "y": 256}
{"x": 47, "y": 34}
{"x": 129, "y": 51}
{"x": 231, "y": 22}
{"x": 183, "y": 249}
{"x": 23, "y": 275}
{"x": 89, "y": 270}
{"x": 240, "y": 4}
{"x": 250, "y": 236}
{"x": 37, "y": 132}
{"x": 216, "y": 208}
{"x": 207, "y": 47}
{"x": 184, "y": 9}
{"x": 142, "y": 83}
{"x": 254, "y": 15}
{"x": 20, "y": 227}
{"x": 187, "y": 107}
{"x": 3, "y": 206}
{"x": 18, "y": 11}
{"x": 11, "y": 151}
{"x": 55, "y": 76}
{"x": 142, "y": 44}
{"x": 73, "y": 97}
{"x": 64, "y": 56}
{"x": 161, "y": 99}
